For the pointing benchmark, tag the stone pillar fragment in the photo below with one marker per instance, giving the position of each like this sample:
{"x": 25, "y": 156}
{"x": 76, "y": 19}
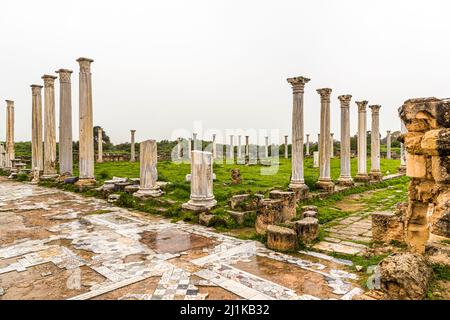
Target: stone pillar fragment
{"x": 49, "y": 128}
{"x": 331, "y": 145}
{"x": 307, "y": 146}
{"x": 86, "y": 140}
{"x": 325, "y": 181}
{"x": 286, "y": 147}
{"x": 388, "y": 145}
{"x": 345, "y": 178}
{"x": 37, "y": 152}
{"x": 148, "y": 155}
{"x": 133, "y": 146}
{"x": 266, "y": 148}
{"x": 202, "y": 197}
{"x": 10, "y": 152}
{"x": 214, "y": 147}
{"x": 362, "y": 175}
{"x": 65, "y": 123}
{"x": 100, "y": 145}
{"x": 297, "y": 183}
{"x": 375, "y": 173}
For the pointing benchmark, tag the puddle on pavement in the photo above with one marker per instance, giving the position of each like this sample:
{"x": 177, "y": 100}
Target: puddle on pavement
{"x": 34, "y": 283}
{"x": 174, "y": 241}
{"x": 289, "y": 276}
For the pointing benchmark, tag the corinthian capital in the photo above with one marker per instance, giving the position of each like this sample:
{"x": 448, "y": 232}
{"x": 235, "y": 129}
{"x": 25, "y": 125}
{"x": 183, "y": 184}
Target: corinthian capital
{"x": 345, "y": 100}
{"x": 362, "y": 105}
{"x": 85, "y": 64}
{"x": 36, "y": 89}
{"x": 49, "y": 80}
{"x": 64, "y": 75}
{"x": 9, "y": 103}
{"x": 324, "y": 93}
{"x": 375, "y": 108}
{"x": 298, "y": 84}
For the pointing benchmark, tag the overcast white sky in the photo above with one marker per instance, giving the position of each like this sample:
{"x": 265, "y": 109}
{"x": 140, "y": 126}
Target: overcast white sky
{"x": 161, "y": 65}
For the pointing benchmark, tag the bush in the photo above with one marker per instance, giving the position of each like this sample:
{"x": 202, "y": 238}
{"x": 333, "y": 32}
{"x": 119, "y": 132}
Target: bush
{"x": 22, "y": 177}
{"x": 103, "y": 175}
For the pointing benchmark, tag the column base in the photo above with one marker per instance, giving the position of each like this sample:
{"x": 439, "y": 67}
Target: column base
{"x": 85, "y": 182}
{"x": 402, "y": 169}
{"x": 301, "y": 190}
{"x": 144, "y": 194}
{"x": 199, "y": 205}
{"x": 362, "y": 177}
{"x": 345, "y": 182}
{"x": 376, "y": 175}
{"x": 325, "y": 184}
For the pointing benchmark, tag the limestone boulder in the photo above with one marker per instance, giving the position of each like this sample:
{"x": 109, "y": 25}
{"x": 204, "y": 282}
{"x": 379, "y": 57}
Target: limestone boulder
{"x": 236, "y": 176}
{"x": 281, "y": 239}
{"x": 270, "y": 211}
{"x": 436, "y": 142}
{"x": 209, "y": 220}
{"x": 245, "y": 202}
{"x": 307, "y": 229}
{"x": 405, "y": 276}
{"x": 424, "y": 114}
{"x": 240, "y": 216}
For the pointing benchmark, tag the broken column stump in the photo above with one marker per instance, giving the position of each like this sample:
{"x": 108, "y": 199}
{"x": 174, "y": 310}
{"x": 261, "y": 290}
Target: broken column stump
{"x": 289, "y": 203}
{"x": 269, "y": 212}
{"x": 307, "y": 229}
{"x": 281, "y": 239}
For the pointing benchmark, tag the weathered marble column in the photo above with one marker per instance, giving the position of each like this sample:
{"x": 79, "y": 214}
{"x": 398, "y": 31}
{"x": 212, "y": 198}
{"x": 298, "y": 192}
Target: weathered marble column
{"x": 325, "y": 181}
{"x": 133, "y": 146}
{"x": 190, "y": 147}
{"x": 100, "y": 145}
{"x": 307, "y": 146}
{"x": 49, "y": 128}
{"x": 375, "y": 173}
{"x": 286, "y": 147}
{"x": 2, "y": 156}
{"x": 37, "y": 152}
{"x": 214, "y": 147}
{"x": 148, "y": 155}
{"x": 402, "y": 168}
{"x": 231, "y": 156}
{"x": 239, "y": 150}
{"x": 86, "y": 140}
{"x": 297, "y": 183}
{"x": 65, "y": 123}
{"x": 202, "y": 197}
{"x": 388, "y": 145}
{"x": 10, "y": 153}
{"x": 362, "y": 175}
{"x": 332, "y": 145}
{"x": 345, "y": 178}
{"x": 266, "y": 148}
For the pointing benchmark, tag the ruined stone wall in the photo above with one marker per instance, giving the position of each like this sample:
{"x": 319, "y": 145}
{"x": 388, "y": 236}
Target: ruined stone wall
{"x": 427, "y": 142}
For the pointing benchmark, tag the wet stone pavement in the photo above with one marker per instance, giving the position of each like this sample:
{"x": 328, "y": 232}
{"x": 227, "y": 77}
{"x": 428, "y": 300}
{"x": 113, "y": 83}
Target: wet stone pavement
{"x": 60, "y": 245}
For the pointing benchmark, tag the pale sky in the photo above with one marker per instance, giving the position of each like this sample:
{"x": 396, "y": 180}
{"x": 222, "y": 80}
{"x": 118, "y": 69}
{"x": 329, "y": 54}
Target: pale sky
{"x": 161, "y": 65}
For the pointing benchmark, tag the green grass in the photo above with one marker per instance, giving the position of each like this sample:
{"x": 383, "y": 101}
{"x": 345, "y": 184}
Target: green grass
{"x": 441, "y": 272}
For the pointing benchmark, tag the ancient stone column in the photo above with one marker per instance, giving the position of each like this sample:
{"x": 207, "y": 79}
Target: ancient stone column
{"x": 148, "y": 156}
{"x": 100, "y": 145}
{"x": 37, "y": 152}
{"x": 10, "y": 153}
{"x": 375, "y": 173}
{"x": 286, "y": 147}
{"x": 239, "y": 150}
{"x": 202, "y": 197}
{"x": 388, "y": 145}
{"x": 402, "y": 168}
{"x": 195, "y": 142}
{"x": 133, "y": 148}
{"x": 231, "y": 156}
{"x": 190, "y": 147}
{"x": 65, "y": 123}
{"x": 362, "y": 175}
{"x": 49, "y": 128}
{"x": 86, "y": 140}
{"x": 332, "y": 145}
{"x": 297, "y": 183}
{"x": 325, "y": 181}
{"x": 179, "y": 148}
{"x": 345, "y": 178}
{"x": 307, "y": 145}
{"x": 266, "y": 148}
{"x": 2, "y": 156}
{"x": 214, "y": 147}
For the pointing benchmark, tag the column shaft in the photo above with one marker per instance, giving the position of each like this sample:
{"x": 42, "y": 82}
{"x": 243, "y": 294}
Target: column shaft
{"x": 375, "y": 173}
{"x": 37, "y": 152}
{"x": 65, "y": 123}
{"x": 100, "y": 145}
{"x": 148, "y": 156}
{"x": 133, "y": 147}
{"x": 324, "y": 153}
{"x": 49, "y": 127}
{"x": 362, "y": 175}
{"x": 307, "y": 145}
{"x": 345, "y": 177}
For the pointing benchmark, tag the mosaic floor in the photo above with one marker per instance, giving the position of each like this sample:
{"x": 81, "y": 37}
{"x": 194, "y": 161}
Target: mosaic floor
{"x": 59, "y": 245}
